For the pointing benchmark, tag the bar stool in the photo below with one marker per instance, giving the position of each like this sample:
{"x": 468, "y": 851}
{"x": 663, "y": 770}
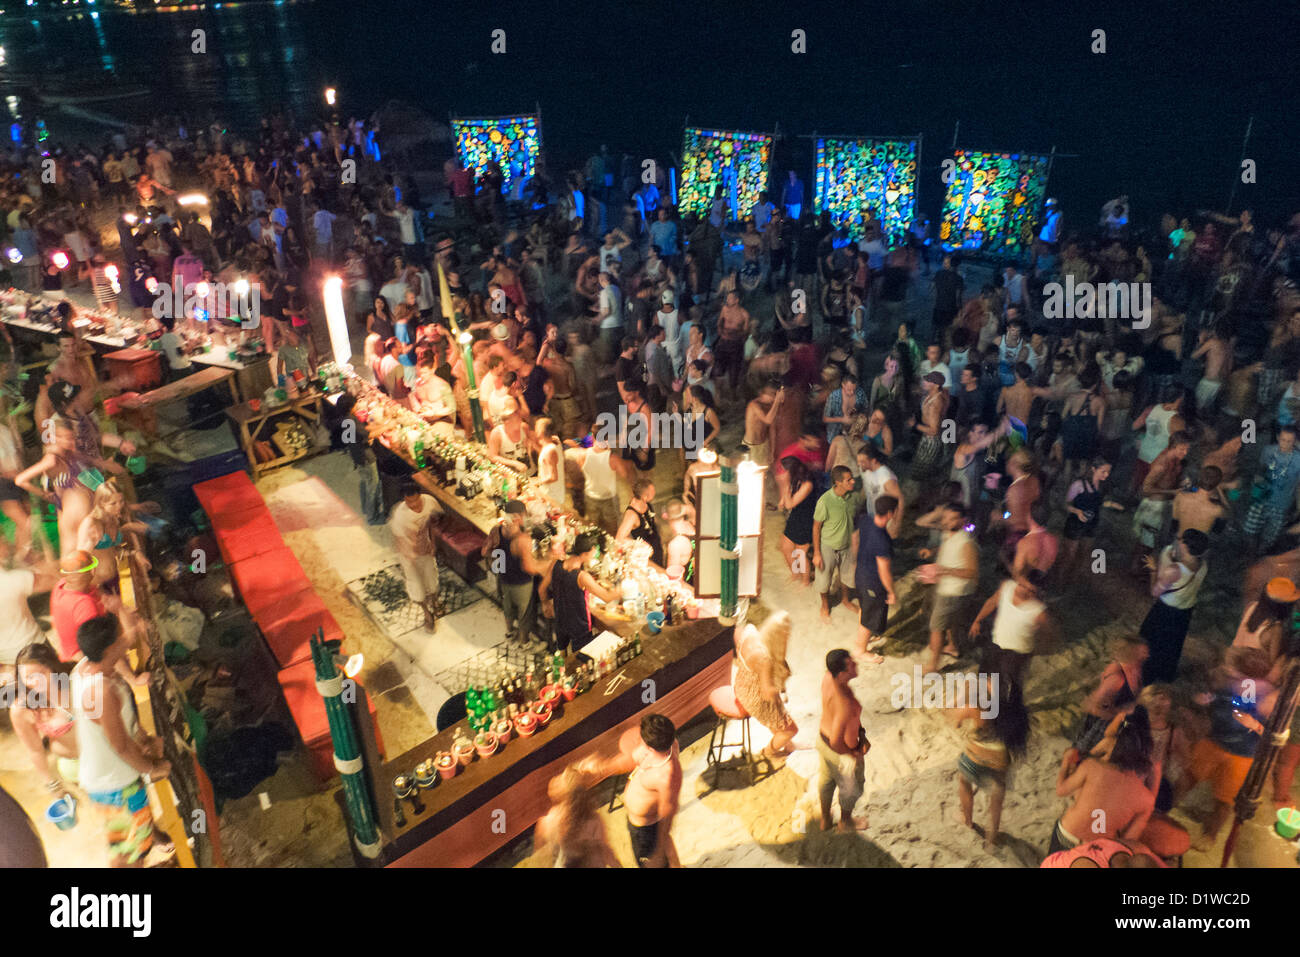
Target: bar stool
{"x": 724, "y": 704}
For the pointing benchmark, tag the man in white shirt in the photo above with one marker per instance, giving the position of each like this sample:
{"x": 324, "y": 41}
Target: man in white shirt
{"x": 669, "y": 318}
{"x": 610, "y": 317}
{"x": 413, "y": 540}
{"x": 612, "y": 252}
{"x": 322, "y": 224}
{"x": 933, "y": 362}
{"x": 879, "y": 479}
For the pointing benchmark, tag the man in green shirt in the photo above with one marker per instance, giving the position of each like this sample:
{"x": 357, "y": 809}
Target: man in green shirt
{"x": 833, "y": 539}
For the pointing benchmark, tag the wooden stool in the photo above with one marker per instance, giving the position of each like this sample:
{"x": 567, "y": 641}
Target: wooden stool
{"x": 727, "y": 708}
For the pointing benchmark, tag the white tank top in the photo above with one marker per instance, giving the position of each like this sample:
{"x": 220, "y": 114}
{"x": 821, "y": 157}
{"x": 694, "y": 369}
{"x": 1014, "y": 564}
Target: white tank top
{"x": 1184, "y": 591}
{"x": 1013, "y": 628}
{"x": 102, "y": 770}
{"x": 950, "y": 556}
{"x": 511, "y": 449}
{"x": 598, "y": 478}
{"x": 1156, "y": 438}
{"x": 553, "y": 490}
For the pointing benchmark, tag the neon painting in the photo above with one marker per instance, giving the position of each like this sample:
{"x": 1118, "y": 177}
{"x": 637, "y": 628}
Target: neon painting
{"x": 854, "y": 175}
{"x": 513, "y": 141}
{"x": 993, "y": 201}
{"x": 737, "y": 162}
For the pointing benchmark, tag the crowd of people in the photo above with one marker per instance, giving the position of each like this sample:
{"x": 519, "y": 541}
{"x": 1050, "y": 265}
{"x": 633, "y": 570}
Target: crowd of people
{"x": 924, "y": 420}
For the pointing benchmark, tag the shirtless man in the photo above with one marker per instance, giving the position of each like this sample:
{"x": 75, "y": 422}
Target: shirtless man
{"x": 842, "y": 744}
{"x": 653, "y": 792}
{"x": 758, "y": 423}
{"x": 564, "y": 407}
{"x": 1216, "y": 349}
{"x": 1201, "y": 508}
{"x": 1016, "y": 400}
{"x": 1039, "y": 547}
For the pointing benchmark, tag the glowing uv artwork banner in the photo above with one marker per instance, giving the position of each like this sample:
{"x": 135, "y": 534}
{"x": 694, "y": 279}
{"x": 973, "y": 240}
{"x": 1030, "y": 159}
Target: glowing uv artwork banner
{"x": 993, "y": 202}
{"x": 513, "y": 141}
{"x": 737, "y": 162}
{"x": 856, "y": 174}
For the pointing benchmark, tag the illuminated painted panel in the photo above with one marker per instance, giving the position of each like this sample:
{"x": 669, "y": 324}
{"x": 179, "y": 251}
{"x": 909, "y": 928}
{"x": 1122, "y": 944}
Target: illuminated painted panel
{"x": 513, "y": 141}
{"x": 993, "y": 202}
{"x": 856, "y": 174}
{"x": 738, "y": 162}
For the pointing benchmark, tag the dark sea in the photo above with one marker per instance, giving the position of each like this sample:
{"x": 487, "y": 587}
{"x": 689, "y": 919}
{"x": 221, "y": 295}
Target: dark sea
{"x": 1160, "y": 115}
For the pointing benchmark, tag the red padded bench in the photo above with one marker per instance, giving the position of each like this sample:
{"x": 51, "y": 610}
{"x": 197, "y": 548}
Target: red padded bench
{"x": 460, "y": 548}
{"x": 308, "y": 709}
{"x": 279, "y": 597}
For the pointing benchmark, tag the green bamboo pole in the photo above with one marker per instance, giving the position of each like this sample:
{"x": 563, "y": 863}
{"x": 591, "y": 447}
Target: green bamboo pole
{"x": 347, "y": 751}
{"x": 475, "y": 409}
{"x": 730, "y": 557}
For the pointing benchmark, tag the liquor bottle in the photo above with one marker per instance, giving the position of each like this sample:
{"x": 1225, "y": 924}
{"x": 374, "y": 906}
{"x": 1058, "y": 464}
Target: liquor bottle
{"x": 636, "y": 645}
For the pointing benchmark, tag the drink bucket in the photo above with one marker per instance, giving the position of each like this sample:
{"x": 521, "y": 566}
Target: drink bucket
{"x": 63, "y": 813}
{"x": 1288, "y": 822}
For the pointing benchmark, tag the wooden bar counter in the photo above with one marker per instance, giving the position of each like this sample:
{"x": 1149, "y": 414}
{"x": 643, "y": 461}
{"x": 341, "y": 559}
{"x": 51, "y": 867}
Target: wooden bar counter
{"x": 494, "y": 800}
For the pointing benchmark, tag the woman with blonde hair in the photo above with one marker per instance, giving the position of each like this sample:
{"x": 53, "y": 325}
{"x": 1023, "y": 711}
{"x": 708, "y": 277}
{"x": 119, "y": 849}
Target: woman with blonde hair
{"x": 106, "y": 530}
{"x": 571, "y": 829}
{"x": 760, "y": 677}
{"x": 844, "y": 447}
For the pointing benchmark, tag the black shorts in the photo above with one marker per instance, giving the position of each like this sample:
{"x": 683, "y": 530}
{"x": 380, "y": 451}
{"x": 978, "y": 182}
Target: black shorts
{"x": 875, "y": 613}
{"x": 645, "y": 841}
{"x": 9, "y": 492}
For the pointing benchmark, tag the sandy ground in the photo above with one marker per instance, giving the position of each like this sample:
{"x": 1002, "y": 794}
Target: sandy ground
{"x": 911, "y": 796}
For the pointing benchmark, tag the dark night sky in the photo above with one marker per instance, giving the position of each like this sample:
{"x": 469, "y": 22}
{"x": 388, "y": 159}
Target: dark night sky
{"x": 1160, "y": 115}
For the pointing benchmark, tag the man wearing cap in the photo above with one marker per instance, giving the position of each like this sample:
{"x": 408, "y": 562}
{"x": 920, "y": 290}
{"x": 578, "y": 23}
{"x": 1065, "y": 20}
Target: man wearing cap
{"x": 670, "y": 319}
{"x": 929, "y": 456}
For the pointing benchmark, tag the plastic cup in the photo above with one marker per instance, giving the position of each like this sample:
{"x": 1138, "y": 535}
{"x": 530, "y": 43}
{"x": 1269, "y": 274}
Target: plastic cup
{"x": 1288, "y": 822}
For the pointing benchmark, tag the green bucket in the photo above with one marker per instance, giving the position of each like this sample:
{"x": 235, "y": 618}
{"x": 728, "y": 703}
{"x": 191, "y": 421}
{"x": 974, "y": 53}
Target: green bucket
{"x": 136, "y": 464}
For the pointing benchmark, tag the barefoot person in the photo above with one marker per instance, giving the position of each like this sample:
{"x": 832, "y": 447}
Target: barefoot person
{"x": 411, "y": 525}
{"x": 995, "y": 737}
{"x": 114, "y": 753}
{"x": 798, "y": 500}
{"x": 841, "y": 743}
{"x": 761, "y": 674}
{"x": 832, "y": 539}
{"x": 653, "y": 792}
{"x": 956, "y": 574}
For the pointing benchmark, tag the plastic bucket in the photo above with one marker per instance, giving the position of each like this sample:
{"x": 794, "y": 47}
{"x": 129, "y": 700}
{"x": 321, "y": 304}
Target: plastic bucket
{"x": 1288, "y": 822}
{"x": 63, "y": 813}
{"x": 136, "y": 464}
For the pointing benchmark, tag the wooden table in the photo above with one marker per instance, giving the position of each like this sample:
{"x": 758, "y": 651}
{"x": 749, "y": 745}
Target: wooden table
{"x": 252, "y": 375}
{"x": 250, "y": 426}
{"x": 139, "y": 410}
{"x": 494, "y": 800}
